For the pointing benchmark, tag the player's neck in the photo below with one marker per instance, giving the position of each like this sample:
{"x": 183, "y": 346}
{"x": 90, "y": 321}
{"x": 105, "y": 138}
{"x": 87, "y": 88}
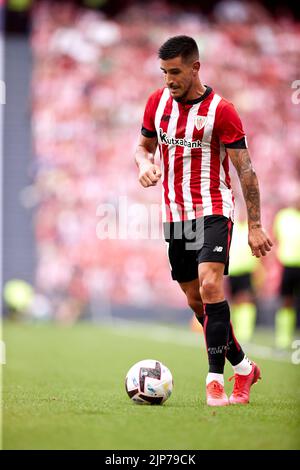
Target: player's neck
{"x": 195, "y": 92}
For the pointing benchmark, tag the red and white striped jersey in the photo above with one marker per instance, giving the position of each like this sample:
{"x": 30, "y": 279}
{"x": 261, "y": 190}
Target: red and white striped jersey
{"x": 192, "y": 138}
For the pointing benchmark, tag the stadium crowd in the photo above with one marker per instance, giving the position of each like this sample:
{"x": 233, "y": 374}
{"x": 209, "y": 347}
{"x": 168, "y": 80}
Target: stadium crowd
{"x": 91, "y": 79}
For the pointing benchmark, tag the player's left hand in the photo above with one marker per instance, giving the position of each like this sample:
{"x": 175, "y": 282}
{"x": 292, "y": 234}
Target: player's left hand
{"x": 259, "y": 241}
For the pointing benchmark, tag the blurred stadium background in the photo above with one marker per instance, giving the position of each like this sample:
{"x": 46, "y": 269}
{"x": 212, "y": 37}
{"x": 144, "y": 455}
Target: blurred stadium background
{"x": 77, "y": 76}
{"x": 74, "y": 78}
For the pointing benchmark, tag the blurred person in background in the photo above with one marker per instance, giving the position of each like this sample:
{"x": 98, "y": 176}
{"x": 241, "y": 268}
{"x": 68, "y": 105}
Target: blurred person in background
{"x": 240, "y": 280}
{"x": 18, "y": 296}
{"x": 287, "y": 234}
{"x": 197, "y": 131}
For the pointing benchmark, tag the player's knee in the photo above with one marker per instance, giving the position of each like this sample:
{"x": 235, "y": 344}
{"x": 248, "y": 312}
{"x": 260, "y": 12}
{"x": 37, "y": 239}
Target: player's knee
{"x": 210, "y": 290}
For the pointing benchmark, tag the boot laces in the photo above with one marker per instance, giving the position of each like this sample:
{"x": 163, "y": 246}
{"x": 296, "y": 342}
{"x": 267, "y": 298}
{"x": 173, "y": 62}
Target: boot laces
{"x": 239, "y": 384}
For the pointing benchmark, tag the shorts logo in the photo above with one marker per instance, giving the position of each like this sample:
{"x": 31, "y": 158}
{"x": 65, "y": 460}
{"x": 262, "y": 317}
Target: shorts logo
{"x": 218, "y": 249}
{"x": 200, "y": 122}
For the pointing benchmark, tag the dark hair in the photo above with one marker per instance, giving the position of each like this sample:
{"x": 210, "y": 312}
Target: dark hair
{"x": 183, "y": 46}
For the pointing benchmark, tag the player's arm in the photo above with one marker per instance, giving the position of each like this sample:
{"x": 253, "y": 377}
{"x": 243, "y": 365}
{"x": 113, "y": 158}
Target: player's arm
{"x": 149, "y": 173}
{"x": 259, "y": 241}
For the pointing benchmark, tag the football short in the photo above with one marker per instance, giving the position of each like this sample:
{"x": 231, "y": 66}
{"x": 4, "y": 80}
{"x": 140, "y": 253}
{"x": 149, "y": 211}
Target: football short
{"x": 290, "y": 281}
{"x": 240, "y": 283}
{"x": 192, "y": 242}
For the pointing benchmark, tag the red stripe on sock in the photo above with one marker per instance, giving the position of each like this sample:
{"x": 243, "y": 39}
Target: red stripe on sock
{"x": 234, "y": 338}
{"x": 205, "y": 324}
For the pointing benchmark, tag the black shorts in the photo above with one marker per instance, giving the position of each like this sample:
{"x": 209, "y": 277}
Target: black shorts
{"x": 240, "y": 283}
{"x": 290, "y": 281}
{"x": 196, "y": 241}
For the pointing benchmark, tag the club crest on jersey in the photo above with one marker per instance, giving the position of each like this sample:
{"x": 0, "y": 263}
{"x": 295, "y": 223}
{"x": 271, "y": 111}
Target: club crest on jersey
{"x": 200, "y": 122}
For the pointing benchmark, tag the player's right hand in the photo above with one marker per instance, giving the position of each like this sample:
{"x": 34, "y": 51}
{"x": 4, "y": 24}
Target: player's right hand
{"x": 259, "y": 241}
{"x": 149, "y": 174}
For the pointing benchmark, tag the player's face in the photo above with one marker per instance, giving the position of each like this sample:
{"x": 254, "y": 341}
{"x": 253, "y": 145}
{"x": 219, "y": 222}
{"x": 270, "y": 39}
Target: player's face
{"x": 179, "y": 76}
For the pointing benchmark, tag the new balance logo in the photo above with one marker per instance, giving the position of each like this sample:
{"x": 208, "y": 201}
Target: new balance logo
{"x": 219, "y": 249}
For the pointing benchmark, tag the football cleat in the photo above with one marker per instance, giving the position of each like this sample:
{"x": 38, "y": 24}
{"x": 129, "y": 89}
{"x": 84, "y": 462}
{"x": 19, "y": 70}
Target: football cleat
{"x": 215, "y": 394}
{"x": 242, "y": 385}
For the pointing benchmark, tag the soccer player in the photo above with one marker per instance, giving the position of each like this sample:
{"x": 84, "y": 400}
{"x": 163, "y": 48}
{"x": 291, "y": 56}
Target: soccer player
{"x": 287, "y": 233}
{"x": 197, "y": 132}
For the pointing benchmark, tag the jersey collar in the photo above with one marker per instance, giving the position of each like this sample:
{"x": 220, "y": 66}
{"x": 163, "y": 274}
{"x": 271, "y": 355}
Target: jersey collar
{"x": 202, "y": 97}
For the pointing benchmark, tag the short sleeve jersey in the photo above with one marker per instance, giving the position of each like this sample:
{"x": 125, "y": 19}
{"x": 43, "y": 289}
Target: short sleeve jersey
{"x": 193, "y": 139}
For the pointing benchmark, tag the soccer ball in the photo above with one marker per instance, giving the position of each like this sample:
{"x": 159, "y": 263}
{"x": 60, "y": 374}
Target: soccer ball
{"x": 149, "y": 382}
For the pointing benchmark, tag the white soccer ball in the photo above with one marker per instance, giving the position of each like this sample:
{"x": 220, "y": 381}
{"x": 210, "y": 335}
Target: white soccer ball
{"x": 149, "y": 382}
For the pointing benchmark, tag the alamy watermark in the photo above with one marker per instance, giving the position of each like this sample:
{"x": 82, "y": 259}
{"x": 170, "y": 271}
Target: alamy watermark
{"x": 131, "y": 221}
{"x": 126, "y": 220}
{"x": 296, "y": 94}
{"x": 296, "y": 354}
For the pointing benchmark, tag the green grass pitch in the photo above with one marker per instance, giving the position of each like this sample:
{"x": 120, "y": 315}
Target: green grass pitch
{"x": 63, "y": 388}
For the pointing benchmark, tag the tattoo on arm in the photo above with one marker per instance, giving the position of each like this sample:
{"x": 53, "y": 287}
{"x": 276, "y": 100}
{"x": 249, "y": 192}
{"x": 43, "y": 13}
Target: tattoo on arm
{"x": 249, "y": 183}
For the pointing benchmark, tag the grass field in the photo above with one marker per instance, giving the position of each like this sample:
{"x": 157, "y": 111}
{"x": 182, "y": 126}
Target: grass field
{"x": 64, "y": 389}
